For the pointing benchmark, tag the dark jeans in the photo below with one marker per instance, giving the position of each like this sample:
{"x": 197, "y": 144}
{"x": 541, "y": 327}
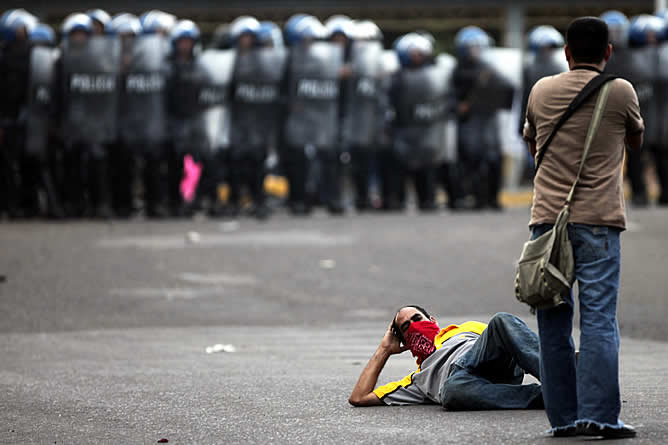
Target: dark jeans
{"x": 489, "y": 376}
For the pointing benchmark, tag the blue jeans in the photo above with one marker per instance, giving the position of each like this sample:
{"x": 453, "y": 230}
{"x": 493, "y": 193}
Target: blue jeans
{"x": 490, "y": 374}
{"x": 586, "y": 392}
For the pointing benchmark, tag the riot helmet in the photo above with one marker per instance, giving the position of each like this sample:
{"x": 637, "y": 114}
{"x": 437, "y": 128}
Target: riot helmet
{"x": 309, "y": 29}
{"x": 340, "y": 29}
{"x": 413, "y": 50}
{"x": 17, "y": 24}
{"x": 157, "y": 22}
{"x": 544, "y": 37}
{"x": 77, "y": 27}
{"x": 367, "y": 30}
{"x": 290, "y": 28}
{"x": 43, "y": 35}
{"x": 124, "y": 24}
{"x": 184, "y": 37}
{"x": 646, "y": 30}
{"x": 618, "y": 28}
{"x": 100, "y": 20}
{"x": 269, "y": 35}
{"x": 243, "y": 30}
{"x": 470, "y": 40}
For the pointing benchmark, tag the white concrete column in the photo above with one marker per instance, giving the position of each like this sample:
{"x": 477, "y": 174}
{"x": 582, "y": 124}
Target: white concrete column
{"x": 515, "y": 23}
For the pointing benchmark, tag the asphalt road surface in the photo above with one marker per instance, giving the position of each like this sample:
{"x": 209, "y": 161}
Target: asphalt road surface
{"x": 104, "y": 326}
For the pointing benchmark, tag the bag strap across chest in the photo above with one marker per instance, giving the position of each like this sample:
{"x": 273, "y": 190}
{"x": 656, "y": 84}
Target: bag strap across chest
{"x": 589, "y": 89}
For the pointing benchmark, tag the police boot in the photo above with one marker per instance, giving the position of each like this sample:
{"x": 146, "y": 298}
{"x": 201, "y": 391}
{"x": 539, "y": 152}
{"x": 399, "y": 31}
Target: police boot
{"x": 494, "y": 186}
{"x": 155, "y": 189}
{"x": 99, "y": 179}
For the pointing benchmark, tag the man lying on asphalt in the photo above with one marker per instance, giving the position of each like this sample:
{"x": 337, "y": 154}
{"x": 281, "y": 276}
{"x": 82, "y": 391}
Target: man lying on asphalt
{"x": 472, "y": 366}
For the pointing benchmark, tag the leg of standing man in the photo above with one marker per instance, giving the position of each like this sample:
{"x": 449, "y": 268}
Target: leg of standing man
{"x": 585, "y": 394}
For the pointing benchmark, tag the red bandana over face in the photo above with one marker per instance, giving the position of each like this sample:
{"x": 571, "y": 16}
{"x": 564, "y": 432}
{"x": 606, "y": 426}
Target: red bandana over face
{"x": 420, "y": 339}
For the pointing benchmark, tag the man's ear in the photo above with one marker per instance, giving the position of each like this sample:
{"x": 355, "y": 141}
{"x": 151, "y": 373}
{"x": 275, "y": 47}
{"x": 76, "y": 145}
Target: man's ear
{"x": 567, "y": 53}
{"x": 608, "y": 52}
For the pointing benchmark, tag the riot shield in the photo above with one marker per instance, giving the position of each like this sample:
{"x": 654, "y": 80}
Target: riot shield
{"x": 40, "y": 95}
{"x": 542, "y": 64}
{"x": 313, "y": 97}
{"x": 497, "y": 81}
{"x": 536, "y": 66}
{"x": 142, "y": 117}
{"x": 620, "y": 63}
{"x": 216, "y": 67}
{"x": 422, "y": 105}
{"x": 90, "y": 74}
{"x": 644, "y": 77}
{"x": 359, "y": 126}
{"x": 255, "y": 100}
{"x": 185, "y": 126}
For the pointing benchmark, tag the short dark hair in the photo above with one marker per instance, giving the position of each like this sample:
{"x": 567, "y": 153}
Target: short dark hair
{"x": 395, "y": 328}
{"x": 587, "y": 39}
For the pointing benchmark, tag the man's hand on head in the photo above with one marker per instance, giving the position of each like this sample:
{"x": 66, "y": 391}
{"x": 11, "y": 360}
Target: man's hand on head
{"x": 391, "y": 343}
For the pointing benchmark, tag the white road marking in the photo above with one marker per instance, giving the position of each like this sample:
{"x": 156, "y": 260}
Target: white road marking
{"x": 218, "y": 278}
{"x": 174, "y": 293}
{"x": 290, "y": 238}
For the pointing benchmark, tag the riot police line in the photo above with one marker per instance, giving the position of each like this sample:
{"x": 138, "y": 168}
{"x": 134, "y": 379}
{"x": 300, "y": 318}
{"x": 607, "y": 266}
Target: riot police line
{"x": 129, "y": 106}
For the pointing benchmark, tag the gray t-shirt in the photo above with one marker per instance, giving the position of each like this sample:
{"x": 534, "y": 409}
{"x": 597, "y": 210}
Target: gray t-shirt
{"x": 424, "y": 386}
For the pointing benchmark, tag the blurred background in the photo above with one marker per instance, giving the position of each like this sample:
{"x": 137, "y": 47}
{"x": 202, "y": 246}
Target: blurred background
{"x": 227, "y": 108}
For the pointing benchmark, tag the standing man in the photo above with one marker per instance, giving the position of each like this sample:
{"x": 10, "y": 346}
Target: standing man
{"x": 583, "y": 398}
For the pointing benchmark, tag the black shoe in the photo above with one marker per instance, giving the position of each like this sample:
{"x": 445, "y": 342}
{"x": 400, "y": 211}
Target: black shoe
{"x": 639, "y": 201}
{"x": 336, "y": 209}
{"x": 103, "y": 211}
{"x": 428, "y": 206}
{"x": 590, "y": 429}
{"x": 262, "y": 212}
{"x": 495, "y": 206}
{"x": 300, "y": 209}
{"x": 569, "y": 431}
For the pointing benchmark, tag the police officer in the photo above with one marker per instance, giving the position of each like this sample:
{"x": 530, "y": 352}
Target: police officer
{"x": 340, "y": 32}
{"x": 43, "y": 149}
{"x": 122, "y": 156}
{"x": 255, "y": 106}
{"x": 621, "y": 64}
{"x": 479, "y": 89}
{"x": 646, "y": 35}
{"x": 182, "y": 106}
{"x": 145, "y": 87}
{"x": 418, "y": 98}
{"x": 546, "y": 58}
{"x": 86, "y": 101}
{"x": 362, "y": 117}
{"x": 18, "y": 195}
{"x": 311, "y": 124}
